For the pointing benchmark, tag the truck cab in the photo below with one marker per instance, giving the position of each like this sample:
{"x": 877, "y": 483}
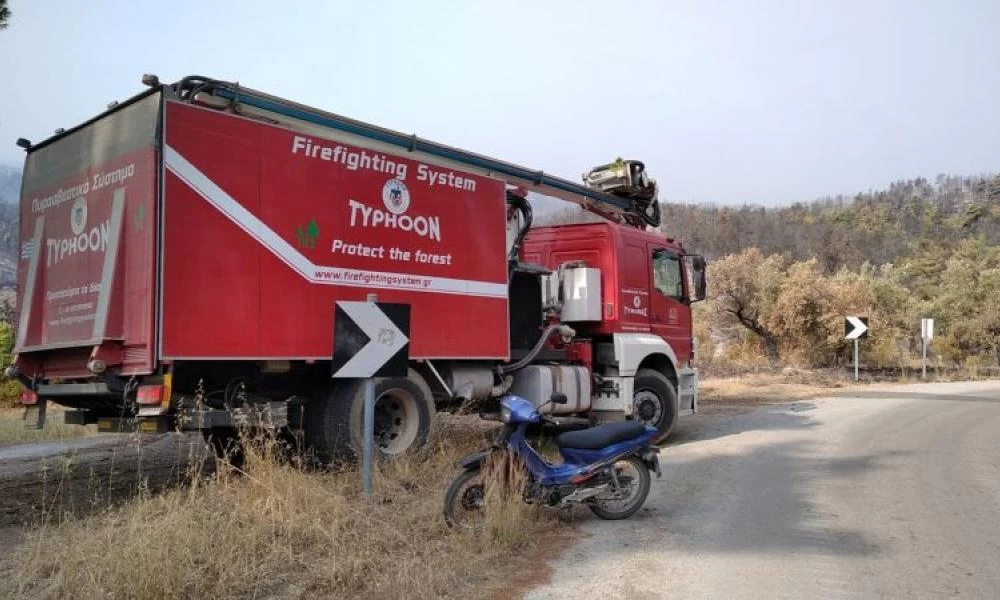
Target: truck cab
{"x": 637, "y": 288}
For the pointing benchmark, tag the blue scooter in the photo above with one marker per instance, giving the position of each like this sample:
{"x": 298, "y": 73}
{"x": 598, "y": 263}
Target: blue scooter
{"x": 606, "y": 467}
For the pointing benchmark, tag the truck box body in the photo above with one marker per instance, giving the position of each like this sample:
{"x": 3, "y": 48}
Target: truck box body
{"x": 265, "y": 228}
{"x": 166, "y": 231}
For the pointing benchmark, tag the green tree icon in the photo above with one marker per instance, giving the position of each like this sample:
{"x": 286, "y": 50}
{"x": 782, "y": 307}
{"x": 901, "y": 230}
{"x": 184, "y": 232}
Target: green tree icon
{"x": 312, "y": 232}
{"x": 307, "y": 237}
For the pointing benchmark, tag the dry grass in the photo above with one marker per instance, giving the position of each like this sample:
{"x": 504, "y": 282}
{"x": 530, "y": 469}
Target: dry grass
{"x": 772, "y": 387}
{"x": 281, "y": 531}
{"x": 509, "y": 521}
{"x": 13, "y": 430}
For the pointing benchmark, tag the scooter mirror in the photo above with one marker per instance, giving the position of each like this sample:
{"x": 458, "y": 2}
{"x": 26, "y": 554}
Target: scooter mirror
{"x": 559, "y": 398}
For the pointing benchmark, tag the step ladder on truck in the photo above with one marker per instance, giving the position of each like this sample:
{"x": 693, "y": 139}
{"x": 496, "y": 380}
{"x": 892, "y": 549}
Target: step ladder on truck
{"x": 182, "y": 253}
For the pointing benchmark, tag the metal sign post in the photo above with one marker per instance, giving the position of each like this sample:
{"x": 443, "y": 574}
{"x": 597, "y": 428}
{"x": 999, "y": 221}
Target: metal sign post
{"x": 855, "y": 359}
{"x": 370, "y": 340}
{"x": 369, "y": 450}
{"x": 855, "y": 328}
{"x": 926, "y": 335}
{"x": 923, "y": 360}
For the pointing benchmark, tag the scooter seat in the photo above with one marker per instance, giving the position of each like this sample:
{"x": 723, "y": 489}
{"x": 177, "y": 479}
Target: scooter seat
{"x": 600, "y": 436}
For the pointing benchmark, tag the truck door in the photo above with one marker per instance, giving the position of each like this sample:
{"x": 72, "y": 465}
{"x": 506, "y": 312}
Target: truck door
{"x": 669, "y": 315}
{"x": 634, "y": 282}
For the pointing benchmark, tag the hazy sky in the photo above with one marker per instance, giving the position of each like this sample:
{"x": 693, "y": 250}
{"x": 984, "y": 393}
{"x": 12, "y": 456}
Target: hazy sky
{"x": 756, "y": 101}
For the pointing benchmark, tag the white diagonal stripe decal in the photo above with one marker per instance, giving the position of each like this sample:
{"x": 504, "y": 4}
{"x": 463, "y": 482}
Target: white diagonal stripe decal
{"x": 28, "y": 299}
{"x": 267, "y": 237}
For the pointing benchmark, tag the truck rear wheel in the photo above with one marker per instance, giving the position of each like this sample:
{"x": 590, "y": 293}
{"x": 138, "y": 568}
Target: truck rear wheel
{"x": 654, "y": 402}
{"x": 404, "y": 418}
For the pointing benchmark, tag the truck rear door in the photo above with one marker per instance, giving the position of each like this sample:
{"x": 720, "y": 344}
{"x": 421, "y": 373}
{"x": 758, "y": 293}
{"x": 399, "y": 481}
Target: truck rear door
{"x": 88, "y": 222}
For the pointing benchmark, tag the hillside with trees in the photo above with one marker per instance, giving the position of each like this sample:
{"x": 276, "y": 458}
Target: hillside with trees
{"x": 10, "y": 186}
{"x": 877, "y": 228}
{"x": 782, "y": 279}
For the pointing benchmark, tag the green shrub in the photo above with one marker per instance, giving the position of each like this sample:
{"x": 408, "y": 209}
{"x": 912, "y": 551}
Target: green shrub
{"x": 10, "y": 393}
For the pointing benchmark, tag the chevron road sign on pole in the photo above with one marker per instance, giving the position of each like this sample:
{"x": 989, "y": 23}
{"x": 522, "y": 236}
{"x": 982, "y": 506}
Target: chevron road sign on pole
{"x": 855, "y": 328}
{"x": 370, "y": 340}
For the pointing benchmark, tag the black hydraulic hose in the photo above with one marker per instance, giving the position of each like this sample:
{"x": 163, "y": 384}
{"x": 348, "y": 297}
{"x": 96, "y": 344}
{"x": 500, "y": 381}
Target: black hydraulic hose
{"x": 198, "y": 89}
{"x": 185, "y": 83}
{"x": 208, "y": 86}
{"x": 534, "y": 351}
{"x": 192, "y": 85}
{"x": 524, "y": 206}
{"x": 654, "y": 219}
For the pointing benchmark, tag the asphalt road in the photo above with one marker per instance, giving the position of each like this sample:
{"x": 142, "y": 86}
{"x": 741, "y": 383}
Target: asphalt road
{"x": 881, "y": 493}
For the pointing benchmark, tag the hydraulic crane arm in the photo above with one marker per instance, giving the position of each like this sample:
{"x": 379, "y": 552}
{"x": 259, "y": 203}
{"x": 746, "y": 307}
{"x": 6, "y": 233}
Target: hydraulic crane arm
{"x": 635, "y": 210}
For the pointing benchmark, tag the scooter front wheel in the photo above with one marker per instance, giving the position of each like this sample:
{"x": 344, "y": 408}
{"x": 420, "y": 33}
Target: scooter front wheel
{"x": 464, "y": 502}
{"x": 634, "y": 480}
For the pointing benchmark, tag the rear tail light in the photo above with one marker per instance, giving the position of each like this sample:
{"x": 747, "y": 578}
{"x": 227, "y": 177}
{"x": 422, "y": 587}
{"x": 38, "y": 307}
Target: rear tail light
{"x": 150, "y": 395}
{"x": 29, "y": 397}
{"x": 156, "y": 395}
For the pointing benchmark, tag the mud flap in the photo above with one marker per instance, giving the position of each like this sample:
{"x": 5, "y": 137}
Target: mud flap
{"x": 34, "y": 414}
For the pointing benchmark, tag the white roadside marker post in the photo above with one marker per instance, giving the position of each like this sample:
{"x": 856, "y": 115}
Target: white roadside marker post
{"x": 855, "y": 328}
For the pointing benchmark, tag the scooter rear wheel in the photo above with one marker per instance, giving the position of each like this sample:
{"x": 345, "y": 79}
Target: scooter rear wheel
{"x": 635, "y": 480}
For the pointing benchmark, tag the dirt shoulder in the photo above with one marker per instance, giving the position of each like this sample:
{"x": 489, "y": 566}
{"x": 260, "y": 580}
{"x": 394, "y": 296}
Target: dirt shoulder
{"x": 725, "y": 394}
{"x": 41, "y": 481}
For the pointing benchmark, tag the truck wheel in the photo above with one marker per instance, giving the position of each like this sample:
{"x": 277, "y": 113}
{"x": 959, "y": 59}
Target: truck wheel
{"x": 654, "y": 402}
{"x": 404, "y": 418}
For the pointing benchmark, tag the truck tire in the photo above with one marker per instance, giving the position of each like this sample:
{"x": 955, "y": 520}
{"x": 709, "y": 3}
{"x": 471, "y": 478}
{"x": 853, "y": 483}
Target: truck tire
{"x": 404, "y": 419}
{"x": 654, "y": 402}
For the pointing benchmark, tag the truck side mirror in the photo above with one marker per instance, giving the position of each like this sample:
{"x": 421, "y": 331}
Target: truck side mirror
{"x": 700, "y": 280}
{"x": 696, "y": 277}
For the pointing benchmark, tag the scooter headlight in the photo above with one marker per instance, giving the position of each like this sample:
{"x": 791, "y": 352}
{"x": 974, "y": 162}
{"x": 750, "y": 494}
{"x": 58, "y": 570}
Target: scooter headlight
{"x": 504, "y": 413}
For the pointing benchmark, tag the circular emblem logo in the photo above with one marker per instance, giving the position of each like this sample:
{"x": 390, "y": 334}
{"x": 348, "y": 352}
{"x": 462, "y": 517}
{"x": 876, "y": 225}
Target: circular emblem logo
{"x": 78, "y": 215}
{"x": 636, "y": 301}
{"x": 395, "y": 196}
